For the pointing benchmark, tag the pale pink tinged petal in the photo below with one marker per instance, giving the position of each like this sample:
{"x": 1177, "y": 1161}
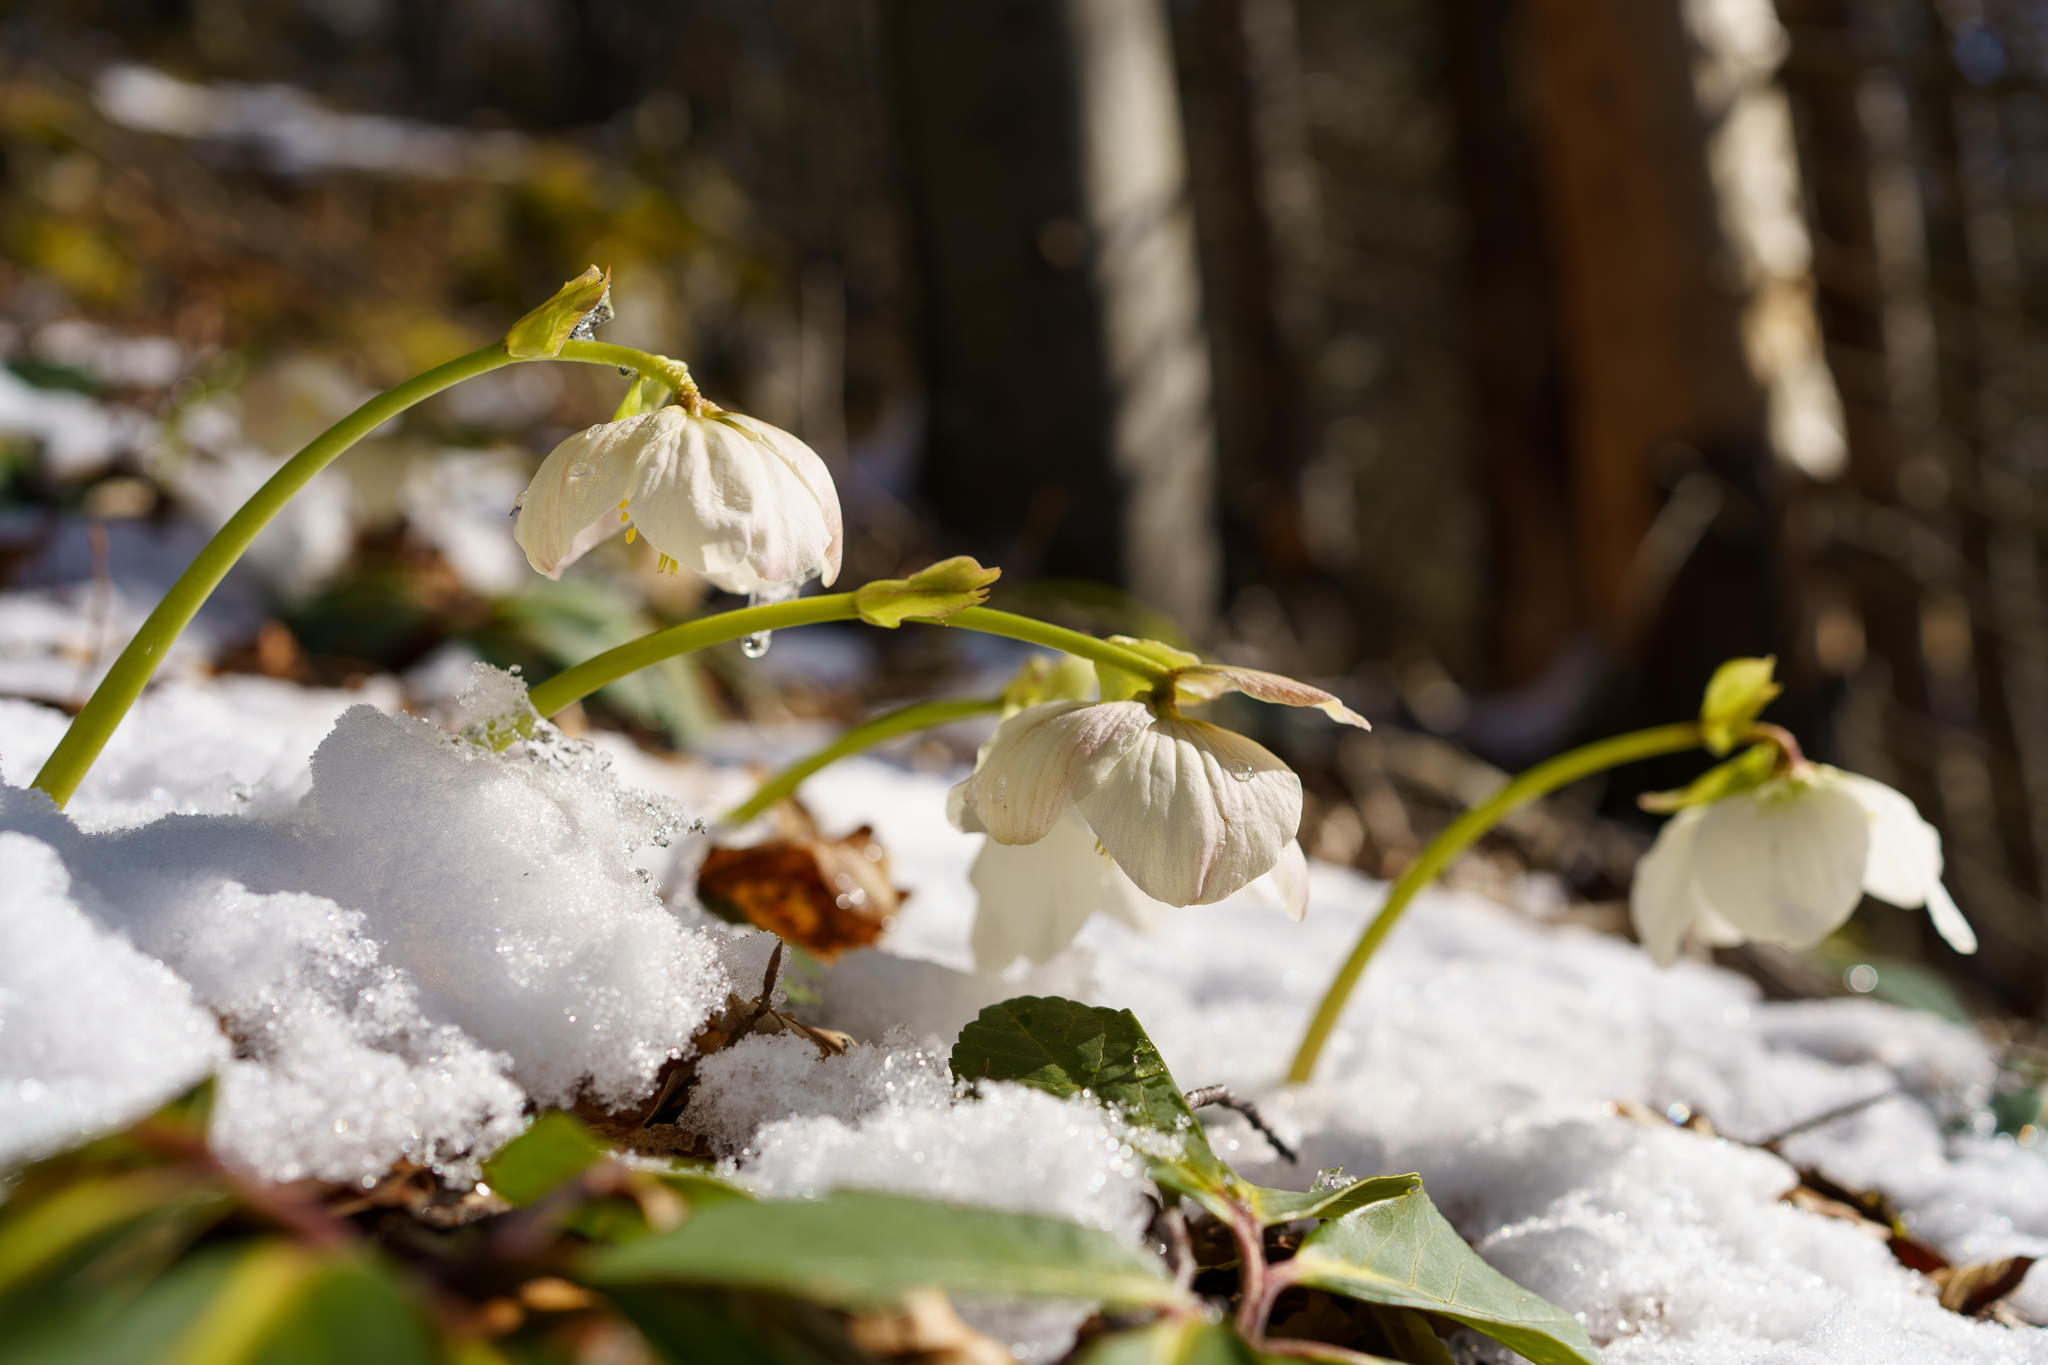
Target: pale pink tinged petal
{"x": 1285, "y": 884}
{"x": 1035, "y": 897}
{"x": 1039, "y": 760}
{"x": 1905, "y": 851}
{"x": 1948, "y": 920}
{"x": 811, "y": 470}
{"x": 1784, "y": 863}
{"x": 1206, "y": 682}
{"x": 573, "y": 502}
{"x": 1663, "y": 901}
{"x": 1194, "y": 812}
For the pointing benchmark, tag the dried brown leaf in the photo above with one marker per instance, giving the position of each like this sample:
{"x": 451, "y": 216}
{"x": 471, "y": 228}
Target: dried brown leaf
{"x": 924, "y": 1329}
{"x": 825, "y": 896}
{"x": 1974, "y": 1289}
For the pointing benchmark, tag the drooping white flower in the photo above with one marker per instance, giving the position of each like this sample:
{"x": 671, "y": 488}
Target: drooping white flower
{"x": 1189, "y": 810}
{"x": 744, "y": 504}
{"x": 1035, "y": 897}
{"x": 1786, "y": 862}
{"x": 1128, "y": 808}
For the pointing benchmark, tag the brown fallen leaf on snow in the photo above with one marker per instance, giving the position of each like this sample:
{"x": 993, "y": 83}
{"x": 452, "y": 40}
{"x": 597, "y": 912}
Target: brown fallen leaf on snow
{"x": 1976, "y": 1289}
{"x": 823, "y": 895}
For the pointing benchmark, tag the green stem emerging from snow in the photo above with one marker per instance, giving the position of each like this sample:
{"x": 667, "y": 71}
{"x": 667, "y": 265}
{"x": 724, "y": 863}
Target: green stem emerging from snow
{"x": 1460, "y": 835}
{"x": 905, "y": 720}
{"x": 109, "y": 702}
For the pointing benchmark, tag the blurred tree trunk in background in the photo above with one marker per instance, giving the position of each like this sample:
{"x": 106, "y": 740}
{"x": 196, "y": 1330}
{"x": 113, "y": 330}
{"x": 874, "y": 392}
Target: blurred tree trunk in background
{"x": 1069, "y": 430}
{"x": 1655, "y": 372}
{"x": 1257, "y": 215}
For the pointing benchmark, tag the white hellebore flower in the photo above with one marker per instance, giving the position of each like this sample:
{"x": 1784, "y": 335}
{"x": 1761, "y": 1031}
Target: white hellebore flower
{"x": 747, "y": 506}
{"x": 1120, "y": 808}
{"x": 1786, "y": 862}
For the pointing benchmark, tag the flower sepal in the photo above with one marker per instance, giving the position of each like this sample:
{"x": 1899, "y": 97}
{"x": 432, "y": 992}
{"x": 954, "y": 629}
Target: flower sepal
{"x": 1048, "y": 677}
{"x": 1736, "y": 695}
{"x": 931, "y": 594}
{"x": 1746, "y": 771}
{"x": 543, "y": 332}
{"x": 1119, "y": 684}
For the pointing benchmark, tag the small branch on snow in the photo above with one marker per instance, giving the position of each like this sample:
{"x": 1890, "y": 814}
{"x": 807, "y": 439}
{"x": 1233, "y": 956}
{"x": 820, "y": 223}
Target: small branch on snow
{"x": 1827, "y": 1116}
{"x": 1221, "y": 1095}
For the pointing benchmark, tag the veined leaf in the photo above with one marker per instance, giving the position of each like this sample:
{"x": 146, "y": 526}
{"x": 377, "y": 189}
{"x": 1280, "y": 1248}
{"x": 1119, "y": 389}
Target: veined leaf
{"x": 1273, "y": 1207}
{"x": 1402, "y": 1252}
{"x": 858, "y": 1247}
{"x": 1064, "y": 1048}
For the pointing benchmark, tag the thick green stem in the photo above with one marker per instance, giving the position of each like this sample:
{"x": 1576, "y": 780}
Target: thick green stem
{"x": 906, "y": 720}
{"x": 109, "y": 702}
{"x": 600, "y": 670}
{"x": 1460, "y": 835}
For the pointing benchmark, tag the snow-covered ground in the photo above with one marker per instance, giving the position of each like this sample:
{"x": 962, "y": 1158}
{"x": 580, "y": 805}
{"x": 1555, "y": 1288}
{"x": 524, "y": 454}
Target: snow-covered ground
{"x": 411, "y": 938}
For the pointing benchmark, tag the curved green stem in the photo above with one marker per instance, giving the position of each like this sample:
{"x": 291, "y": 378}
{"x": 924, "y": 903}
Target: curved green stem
{"x": 905, "y": 720}
{"x": 600, "y": 670}
{"x": 1460, "y": 835}
{"x": 989, "y": 621}
{"x": 138, "y": 662}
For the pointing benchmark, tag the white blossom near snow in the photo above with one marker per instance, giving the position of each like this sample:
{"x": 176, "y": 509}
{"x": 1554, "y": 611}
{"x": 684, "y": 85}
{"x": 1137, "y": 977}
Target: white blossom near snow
{"x": 746, "y": 505}
{"x": 1786, "y": 862}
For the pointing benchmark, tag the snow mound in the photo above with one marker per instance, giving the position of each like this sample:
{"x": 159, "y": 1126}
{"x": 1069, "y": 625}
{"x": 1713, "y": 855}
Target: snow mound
{"x": 426, "y": 939}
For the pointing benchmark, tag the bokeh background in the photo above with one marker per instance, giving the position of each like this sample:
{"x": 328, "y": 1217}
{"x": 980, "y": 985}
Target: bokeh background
{"x": 1503, "y": 364}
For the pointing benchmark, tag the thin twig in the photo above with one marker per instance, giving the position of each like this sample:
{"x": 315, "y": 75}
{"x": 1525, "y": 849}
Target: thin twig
{"x": 1221, "y": 1095}
{"x": 1180, "y": 1247}
{"x": 1827, "y": 1116}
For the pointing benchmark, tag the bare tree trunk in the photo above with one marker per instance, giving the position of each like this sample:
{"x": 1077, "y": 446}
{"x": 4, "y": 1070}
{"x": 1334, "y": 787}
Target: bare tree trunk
{"x": 1070, "y": 429}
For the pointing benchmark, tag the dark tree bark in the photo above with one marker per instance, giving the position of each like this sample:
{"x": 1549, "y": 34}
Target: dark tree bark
{"x": 1069, "y": 417}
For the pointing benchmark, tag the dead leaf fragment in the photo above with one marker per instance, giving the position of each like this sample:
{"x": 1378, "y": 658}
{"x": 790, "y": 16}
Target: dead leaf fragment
{"x": 924, "y": 1329}
{"x": 825, "y": 896}
{"x": 1974, "y": 1290}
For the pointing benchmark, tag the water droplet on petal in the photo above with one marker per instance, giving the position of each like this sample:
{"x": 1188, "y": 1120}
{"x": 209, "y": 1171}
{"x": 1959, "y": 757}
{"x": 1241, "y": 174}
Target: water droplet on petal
{"x": 1242, "y": 772}
{"x": 756, "y": 645}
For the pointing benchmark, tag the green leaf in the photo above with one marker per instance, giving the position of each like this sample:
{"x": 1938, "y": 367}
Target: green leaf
{"x": 83, "y": 1219}
{"x": 719, "y": 1327}
{"x": 1738, "y": 692}
{"x": 555, "y": 1150}
{"x": 1178, "y": 1341}
{"x": 1118, "y": 685}
{"x": 1410, "y": 1336}
{"x": 1746, "y": 771}
{"x": 1402, "y": 1252}
{"x": 1048, "y": 677}
{"x": 547, "y": 329}
{"x": 860, "y": 1247}
{"x": 1063, "y": 1048}
{"x": 349, "y": 1310}
{"x": 930, "y": 594}
{"x": 1272, "y": 1207}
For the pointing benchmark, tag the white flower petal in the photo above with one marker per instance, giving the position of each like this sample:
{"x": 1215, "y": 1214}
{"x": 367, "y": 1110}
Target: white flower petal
{"x": 725, "y": 504}
{"x": 1035, "y": 897}
{"x": 1783, "y": 863}
{"x": 811, "y": 471}
{"x": 1663, "y": 901}
{"x": 1194, "y": 811}
{"x": 1905, "y": 851}
{"x": 1285, "y": 886}
{"x": 1948, "y": 920}
{"x": 1714, "y": 931}
{"x": 960, "y": 808}
{"x": 573, "y": 502}
{"x": 1206, "y": 682}
{"x": 1038, "y": 761}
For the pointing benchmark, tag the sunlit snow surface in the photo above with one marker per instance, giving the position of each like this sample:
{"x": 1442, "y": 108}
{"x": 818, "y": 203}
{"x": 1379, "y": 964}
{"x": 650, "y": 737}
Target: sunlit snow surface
{"x": 410, "y": 938}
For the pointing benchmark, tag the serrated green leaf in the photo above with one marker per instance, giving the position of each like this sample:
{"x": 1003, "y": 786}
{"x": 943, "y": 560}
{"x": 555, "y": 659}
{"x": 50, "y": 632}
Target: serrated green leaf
{"x": 931, "y": 594}
{"x": 1402, "y": 1252}
{"x": 1737, "y": 693}
{"x": 544, "y": 331}
{"x": 1273, "y": 1207}
{"x": 1063, "y": 1047}
{"x": 1115, "y": 684}
{"x": 1746, "y": 771}
{"x": 860, "y": 1247}
{"x": 555, "y": 1150}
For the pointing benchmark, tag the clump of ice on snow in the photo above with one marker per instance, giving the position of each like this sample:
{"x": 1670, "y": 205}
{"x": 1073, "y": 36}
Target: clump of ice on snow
{"x": 431, "y": 935}
{"x": 93, "y": 1034}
